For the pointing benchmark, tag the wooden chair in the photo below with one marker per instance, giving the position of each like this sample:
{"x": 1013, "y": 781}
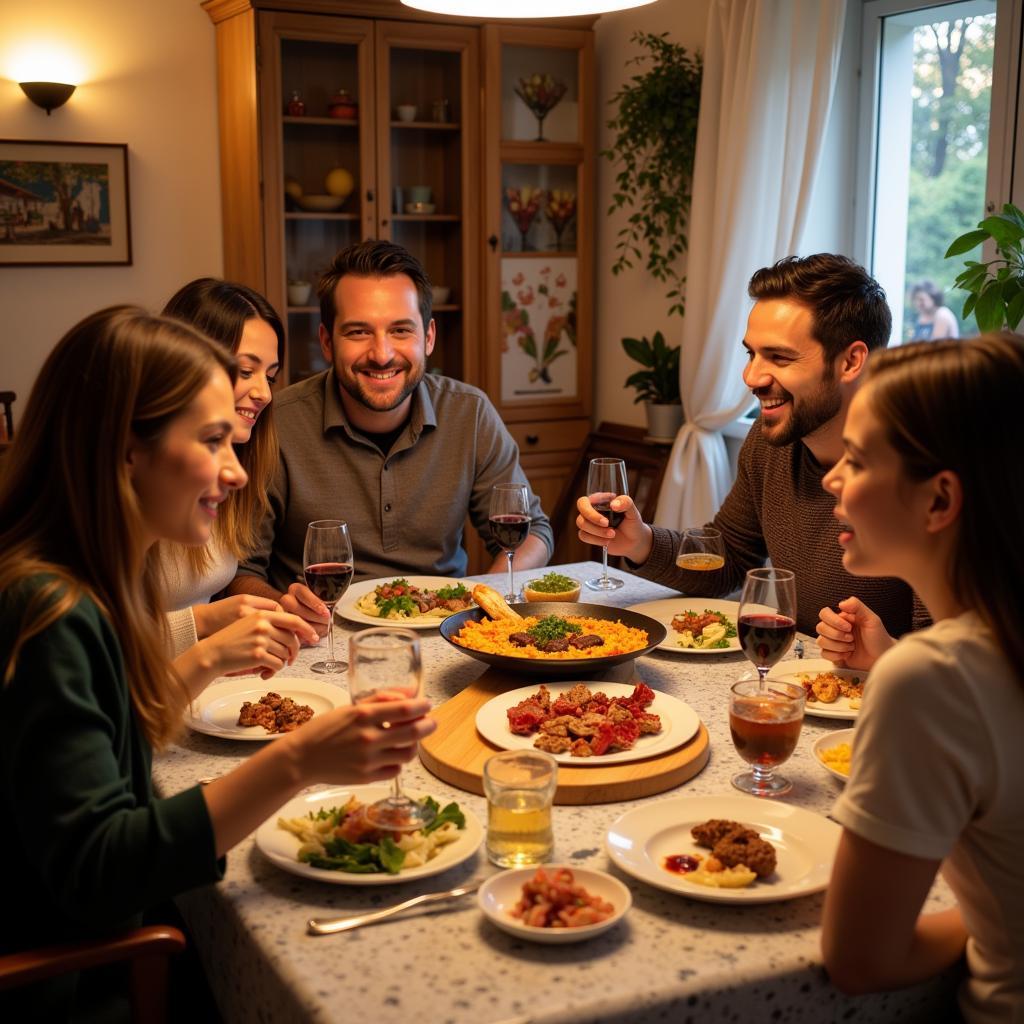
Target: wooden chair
{"x": 148, "y": 949}
{"x": 7, "y": 430}
{"x": 645, "y": 469}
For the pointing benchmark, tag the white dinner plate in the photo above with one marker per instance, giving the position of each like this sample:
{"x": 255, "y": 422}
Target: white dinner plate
{"x": 797, "y": 671}
{"x": 281, "y": 847}
{"x": 827, "y": 742}
{"x": 679, "y": 724}
{"x": 346, "y": 607}
{"x": 501, "y": 892}
{"x": 664, "y": 611}
{"x": 805, "y": 844}
{"x": 215, "y": 710}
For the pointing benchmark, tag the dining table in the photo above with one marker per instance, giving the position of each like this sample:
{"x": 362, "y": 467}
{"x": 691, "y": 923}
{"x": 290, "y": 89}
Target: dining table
{"x": 671, "y": 958}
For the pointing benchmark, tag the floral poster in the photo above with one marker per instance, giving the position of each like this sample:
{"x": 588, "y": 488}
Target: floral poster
{"x": 538, "y": 317}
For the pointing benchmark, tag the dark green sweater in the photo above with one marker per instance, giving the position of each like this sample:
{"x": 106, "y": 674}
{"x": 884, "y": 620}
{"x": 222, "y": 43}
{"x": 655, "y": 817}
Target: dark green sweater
{"x": 86, "y": 845}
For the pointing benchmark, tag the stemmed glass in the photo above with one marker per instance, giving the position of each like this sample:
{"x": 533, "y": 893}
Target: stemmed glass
{"x": 767, "y": 619}
{"x": 327, "y": 568}
{"x": 541, "y": 93}
{"x": 509, "y": 518}
{"x": 606, "y": 479}
{"x": 765, "y": 725}
{"x": 385, "y": 665}
{"x": 701, "y": 550}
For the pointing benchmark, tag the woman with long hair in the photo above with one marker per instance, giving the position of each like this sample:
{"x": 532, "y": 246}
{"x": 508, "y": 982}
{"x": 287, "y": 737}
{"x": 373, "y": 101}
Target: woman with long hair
{"x": 245, "y": 324}
{"x": 938, "y": 763}
{"x": 126, "y": 442}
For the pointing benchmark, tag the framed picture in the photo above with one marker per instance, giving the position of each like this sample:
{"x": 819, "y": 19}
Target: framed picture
{"x": 64, "y": 204}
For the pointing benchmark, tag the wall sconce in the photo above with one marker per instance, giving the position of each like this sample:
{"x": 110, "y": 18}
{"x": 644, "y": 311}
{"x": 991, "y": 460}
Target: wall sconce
{"x": 48, "y": 95}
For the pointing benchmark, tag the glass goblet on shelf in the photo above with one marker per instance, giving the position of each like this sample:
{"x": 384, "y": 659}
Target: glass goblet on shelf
{"x": 541, "y": 93}
{"x": 701, "y": 550}
{"x": 765, "y": 723}
{"x": 327, "y": 569}
{"x": 606, "y": 480}
{"x": 385, "y": 664}
{"x": 523, "y": 206}
{"x": 767, "y": 617}
{"x": 560, "y": 209}
{"x": 509, "y": 519}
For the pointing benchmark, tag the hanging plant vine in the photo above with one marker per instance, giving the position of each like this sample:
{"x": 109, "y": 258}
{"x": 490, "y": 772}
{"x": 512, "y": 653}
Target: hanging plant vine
{"x": 655, "y": 141}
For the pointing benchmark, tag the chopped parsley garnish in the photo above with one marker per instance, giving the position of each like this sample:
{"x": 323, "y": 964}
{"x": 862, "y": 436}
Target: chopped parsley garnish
{"x": 451, "y": 593}
{"x": 553, "y": 583}
{"x": 404, "y": 605}
{"x": 552, "y": 627}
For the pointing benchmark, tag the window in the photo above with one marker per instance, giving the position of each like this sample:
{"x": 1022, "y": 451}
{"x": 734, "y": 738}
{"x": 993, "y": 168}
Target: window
{"x": 938, "y": 136}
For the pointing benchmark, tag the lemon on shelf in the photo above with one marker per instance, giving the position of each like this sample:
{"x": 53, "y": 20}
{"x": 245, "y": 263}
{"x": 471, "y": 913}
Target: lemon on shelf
{"x": 339, "y": 182}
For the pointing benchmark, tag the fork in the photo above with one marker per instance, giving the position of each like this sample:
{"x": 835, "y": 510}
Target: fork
{"x": 328, "y": 926}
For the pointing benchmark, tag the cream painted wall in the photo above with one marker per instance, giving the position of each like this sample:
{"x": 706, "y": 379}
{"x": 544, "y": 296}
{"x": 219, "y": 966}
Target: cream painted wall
{"x": 630, "y": 304}
{"x": 149, "y": 80}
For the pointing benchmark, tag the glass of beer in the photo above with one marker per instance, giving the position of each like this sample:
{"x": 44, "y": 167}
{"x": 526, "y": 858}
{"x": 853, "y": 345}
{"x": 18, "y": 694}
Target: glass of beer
{"x": 765, "y": 725}
{"x": 701, "y": 550}
{"x": 520, "y": 789}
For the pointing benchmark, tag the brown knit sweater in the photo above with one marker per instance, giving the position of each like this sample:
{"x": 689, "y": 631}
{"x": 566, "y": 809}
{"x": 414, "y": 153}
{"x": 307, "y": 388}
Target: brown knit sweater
{"x": 778, "y": 510}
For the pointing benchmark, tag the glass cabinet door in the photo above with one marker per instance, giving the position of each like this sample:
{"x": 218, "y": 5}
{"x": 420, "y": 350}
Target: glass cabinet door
{"x": 539, "y": 223}
{"x": 318, "y": 189}
{"x": 427, "y": 81}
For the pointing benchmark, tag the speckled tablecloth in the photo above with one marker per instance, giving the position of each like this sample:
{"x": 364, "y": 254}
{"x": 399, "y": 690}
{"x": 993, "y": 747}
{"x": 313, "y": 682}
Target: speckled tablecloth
{"x": 671, "y": 959}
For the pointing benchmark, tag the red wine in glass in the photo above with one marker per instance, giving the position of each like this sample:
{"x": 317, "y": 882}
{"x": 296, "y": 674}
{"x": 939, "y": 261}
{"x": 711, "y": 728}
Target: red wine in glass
{"x": 613, "y": 517}
{"x": 766, "y": 638}
{"x": 328, "y": 580}
{"x": 510, "y": 530}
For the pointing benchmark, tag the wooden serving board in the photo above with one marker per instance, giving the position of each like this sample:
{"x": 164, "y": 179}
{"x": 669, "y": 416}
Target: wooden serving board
{"x": 456, "y": 752}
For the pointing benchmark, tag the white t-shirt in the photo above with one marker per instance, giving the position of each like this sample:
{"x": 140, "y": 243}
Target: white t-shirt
{"x": 938, "y": 773}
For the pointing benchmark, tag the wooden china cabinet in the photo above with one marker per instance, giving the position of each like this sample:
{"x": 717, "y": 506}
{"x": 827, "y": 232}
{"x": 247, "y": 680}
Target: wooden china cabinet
{"x": 470, "y": 143}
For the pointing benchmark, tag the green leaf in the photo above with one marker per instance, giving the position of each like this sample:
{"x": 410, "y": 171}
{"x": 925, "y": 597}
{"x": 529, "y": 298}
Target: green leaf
{"x": 969, "y": 304}
{"x": 1015, "y": 311}
{"x": 641, "y": 351}
{"x": 1005, "y": 232}
{"x": 966, "y": 242}
{"x": 989, "y": 310}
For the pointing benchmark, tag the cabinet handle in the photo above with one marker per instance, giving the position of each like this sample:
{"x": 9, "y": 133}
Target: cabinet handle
{"x": 369, "y": 195}
{"x": 493, "y": 242}
{"x": 384, "y": 223}
{"x": 532, "y": 438}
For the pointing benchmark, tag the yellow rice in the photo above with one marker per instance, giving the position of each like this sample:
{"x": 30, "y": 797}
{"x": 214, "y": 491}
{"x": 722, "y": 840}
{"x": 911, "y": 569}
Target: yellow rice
{"x": 491, "y": 637}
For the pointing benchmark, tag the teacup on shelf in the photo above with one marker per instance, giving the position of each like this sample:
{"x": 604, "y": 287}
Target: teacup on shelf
{"x": 440, "y": 294}
{"x": 406, "y": 112}
{"x": 298, "y": 292}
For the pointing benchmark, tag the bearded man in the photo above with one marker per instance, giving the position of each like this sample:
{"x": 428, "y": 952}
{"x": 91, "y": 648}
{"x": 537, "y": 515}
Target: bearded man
{"x": 815, "y": 320}
{"x": 403, "y": 456}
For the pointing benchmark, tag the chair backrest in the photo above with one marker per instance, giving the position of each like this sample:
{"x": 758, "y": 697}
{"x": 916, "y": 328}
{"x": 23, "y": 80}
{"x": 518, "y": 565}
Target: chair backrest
{"x": 7, "y": 429}
{"x": 645, "y": 469}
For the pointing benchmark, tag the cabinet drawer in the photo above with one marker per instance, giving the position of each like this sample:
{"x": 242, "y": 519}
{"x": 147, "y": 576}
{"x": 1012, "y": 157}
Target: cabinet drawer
{"x": 549, "y": 435}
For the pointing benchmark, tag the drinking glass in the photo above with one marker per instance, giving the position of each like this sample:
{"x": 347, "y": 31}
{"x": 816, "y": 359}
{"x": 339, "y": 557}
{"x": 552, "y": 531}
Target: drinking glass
{"x": 520, "y": 788}
{"x": 767, "y": 619}
{"x": 701, "y": 550}
{"x": 385, "y": 665}
{"x": 327, "y": 568}
{"x": 765, "y": 725}
{"x": 509, "y": 519}
{"x": 606, "y": 479}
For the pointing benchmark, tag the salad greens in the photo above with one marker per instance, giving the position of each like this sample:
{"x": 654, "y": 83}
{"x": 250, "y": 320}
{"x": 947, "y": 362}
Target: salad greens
{"x": 552, "y": 627}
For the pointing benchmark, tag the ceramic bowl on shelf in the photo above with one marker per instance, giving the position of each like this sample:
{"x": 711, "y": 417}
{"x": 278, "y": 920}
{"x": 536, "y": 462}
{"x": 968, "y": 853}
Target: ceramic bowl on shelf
{"x": 406, "y": 112}
{"x": 320, "y": 203}
{"x": 439, "y": 294}
{"x": 298, "y": 292}
{"x": 420, "y": 207}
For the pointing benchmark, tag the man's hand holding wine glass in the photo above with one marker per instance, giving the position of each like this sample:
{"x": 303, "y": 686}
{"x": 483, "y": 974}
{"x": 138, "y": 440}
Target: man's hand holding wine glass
{"x": 630, "y": 537}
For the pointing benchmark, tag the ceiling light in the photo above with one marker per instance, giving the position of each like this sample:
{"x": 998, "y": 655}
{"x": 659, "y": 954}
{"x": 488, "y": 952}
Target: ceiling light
{"x": 523, "y": 8}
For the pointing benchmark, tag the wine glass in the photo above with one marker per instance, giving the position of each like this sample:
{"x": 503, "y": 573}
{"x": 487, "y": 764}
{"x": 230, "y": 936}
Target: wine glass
{"x": 327, "y": 568}
{"x": 606, "y": 479}
{"x": 385, "y": 665}
{"x": 509, "y": 519}
{"x": 767, "y": 619}
{"x": 701, "y": 550}
{"x": 765, "y": 724}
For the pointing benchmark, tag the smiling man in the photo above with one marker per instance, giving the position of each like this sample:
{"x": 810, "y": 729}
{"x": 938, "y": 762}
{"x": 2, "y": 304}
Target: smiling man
{"x": 814, "y": 321}
{"x": 402, "y": 455}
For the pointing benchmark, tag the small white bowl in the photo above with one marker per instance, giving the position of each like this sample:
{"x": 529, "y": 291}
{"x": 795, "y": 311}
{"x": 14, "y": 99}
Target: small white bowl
{"x": 827, "y": 742}
{"x": 406, "y": 112}
{"x": 501, "y": 892}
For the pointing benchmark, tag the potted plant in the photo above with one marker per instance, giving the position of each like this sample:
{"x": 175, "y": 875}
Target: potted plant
{"x": 997, "y": 287}
{"x": 655, "y": 140}
{"x": 657, "y": 384}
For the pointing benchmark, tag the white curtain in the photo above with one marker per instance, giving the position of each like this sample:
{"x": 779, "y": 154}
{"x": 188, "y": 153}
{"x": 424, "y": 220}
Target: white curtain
{"x": 769, "y": 76}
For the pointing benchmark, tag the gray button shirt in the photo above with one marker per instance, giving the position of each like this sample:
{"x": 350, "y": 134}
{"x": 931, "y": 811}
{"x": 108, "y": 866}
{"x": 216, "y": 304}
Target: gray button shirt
{"x": 406, "y": 510}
